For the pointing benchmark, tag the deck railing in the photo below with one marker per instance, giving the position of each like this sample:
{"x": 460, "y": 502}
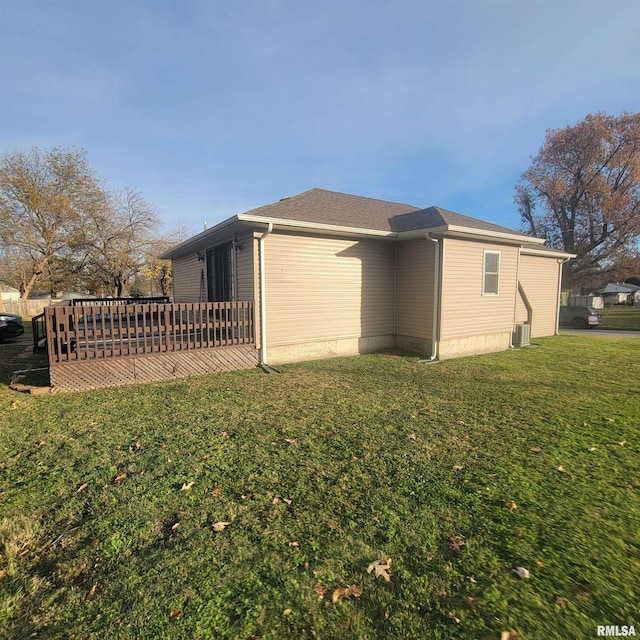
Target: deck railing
{"x": 101, "y": 331}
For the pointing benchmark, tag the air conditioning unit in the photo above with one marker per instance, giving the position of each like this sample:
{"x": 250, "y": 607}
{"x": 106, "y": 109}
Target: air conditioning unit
{"x": 522, "y": 335}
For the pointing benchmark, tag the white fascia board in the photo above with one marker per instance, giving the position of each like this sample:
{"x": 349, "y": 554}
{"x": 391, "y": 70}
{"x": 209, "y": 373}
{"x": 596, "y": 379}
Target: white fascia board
{"x": 547, "y": 253}
{"x": 453, "y": 230}
{"x": 196, "y": 242}
{"x": 281, "y": 223}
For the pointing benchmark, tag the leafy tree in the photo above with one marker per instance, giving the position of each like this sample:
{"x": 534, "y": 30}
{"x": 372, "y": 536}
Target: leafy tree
{"x": 45, "y": 200}
{"x": 582, "y": 192}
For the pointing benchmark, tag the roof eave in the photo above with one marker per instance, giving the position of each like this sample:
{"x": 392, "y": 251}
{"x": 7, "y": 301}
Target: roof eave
{"x": 483, "y": 234}
{"x": 196, "y": 242}
{"x": 547, "y": 253}
{"x": 281, "y": 223}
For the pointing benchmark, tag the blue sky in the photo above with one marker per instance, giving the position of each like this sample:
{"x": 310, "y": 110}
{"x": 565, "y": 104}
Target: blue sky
{"x": 211, "y": 108}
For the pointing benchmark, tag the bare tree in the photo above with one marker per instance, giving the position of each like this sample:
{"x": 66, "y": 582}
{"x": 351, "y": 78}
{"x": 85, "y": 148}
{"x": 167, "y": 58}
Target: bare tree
{"x": 118, "y": 241}
{"x": 45, "y": 201}
{"x": 582, "y": 192}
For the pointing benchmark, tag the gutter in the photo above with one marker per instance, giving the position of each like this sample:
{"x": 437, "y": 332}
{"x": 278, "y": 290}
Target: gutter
{"x": 561, "y": 262}
{"x": 436, "y": 299}
{"x": 263, "y": 298}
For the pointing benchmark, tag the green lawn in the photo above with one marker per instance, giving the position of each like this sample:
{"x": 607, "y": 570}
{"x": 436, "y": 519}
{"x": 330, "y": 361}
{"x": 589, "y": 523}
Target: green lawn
{"x": 621, "y": 317}
{"x": 531, "y": 458}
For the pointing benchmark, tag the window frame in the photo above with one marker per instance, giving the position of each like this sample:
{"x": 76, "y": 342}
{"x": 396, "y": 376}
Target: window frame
{"x": 486, "y": 273}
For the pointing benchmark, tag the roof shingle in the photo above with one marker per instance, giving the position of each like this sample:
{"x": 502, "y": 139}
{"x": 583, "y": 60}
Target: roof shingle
{"x": 341, "y": 209}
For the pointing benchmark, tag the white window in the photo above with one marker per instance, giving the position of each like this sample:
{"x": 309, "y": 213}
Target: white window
{"x": 491, "y": 273}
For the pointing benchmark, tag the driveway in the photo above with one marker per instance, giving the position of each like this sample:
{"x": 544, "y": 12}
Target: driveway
{"x": 600, "y": 332}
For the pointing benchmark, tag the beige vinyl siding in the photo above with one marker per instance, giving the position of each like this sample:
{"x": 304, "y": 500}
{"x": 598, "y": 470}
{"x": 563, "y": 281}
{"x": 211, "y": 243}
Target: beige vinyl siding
{"x": 415, "y": 266}
{"x": 245, "y": 289}
{"x": 320, "y": 288}
{"x": 539, "y": 279}
{"x": 186, "y": 279}
{"x": 188, "y": 270}
{"x": 465, "y": 310}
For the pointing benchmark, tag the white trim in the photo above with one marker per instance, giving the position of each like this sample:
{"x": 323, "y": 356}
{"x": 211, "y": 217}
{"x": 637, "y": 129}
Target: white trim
{"x": 195, "y": 242}
{"x": 547, "y": 252}
{"x": 315, "y": 226}
{"x": 263, "y": 296}
{"x": 485, "y": 253}
{"x": 484, "y": 233}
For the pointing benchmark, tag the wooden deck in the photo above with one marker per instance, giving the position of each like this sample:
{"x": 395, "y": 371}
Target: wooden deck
{"x": 100, "y": 345}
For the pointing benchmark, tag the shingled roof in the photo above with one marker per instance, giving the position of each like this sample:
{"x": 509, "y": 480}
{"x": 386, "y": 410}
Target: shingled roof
{"x": 320, "y": 206}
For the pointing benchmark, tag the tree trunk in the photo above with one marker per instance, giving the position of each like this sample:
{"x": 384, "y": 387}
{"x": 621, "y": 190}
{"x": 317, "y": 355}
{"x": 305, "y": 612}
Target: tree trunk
{"x": 36, "y": 273}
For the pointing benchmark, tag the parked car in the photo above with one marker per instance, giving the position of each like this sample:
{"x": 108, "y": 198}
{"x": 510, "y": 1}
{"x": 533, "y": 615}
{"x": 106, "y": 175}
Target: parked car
{"x": 579, "y": 317}
{"x": 11, "y": 326}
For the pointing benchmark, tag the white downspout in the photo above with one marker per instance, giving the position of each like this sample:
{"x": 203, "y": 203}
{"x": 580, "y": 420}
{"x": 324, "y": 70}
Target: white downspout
{"x": 561, "y": 263}
{"x": 436, "y": 300}
{"x": 263, "y": 297}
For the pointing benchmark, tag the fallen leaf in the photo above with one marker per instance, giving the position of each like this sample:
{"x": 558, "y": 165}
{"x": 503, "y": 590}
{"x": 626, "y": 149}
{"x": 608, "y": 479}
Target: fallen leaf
{"x": 458, "y": 467}
{"x": 560, "y": 601}
{"x": 511, "y": 505}
{"x": 533, "y": 450}
{"x": 287, "y": 612}
{"x": 593, "y": 448}
{"x": 581, "y": 590}
{"x": 117, "y": 479}
{"x": 82, "y": 487}
{"x": 175, "y": 526}
{"x": 92, "y": 592}
{"x": 471, "y": 603}
{"x": 381, "y": 569}
{"x": 320, "y": 590}
{"x": 456, "y": 543}
{"x": 539, "y": 564}
{"x": 294, "y": 544}
{"x": 346, "y": 592}
{"x": 622, "y": 443}
{"x": 276, "y": 500}
{"x": 561, "y": 469}
{"x": 517, "y": 532}
{"x": 332, "y": 524}
{"x": 216, "y": 492}
{"x": 291, "y": 440}
{"x": 287, "y": 500}
{"x": 174, "y": 613}
{"x": 454, "y": 618}
{"x": 521, "y": 572}
{"x": 220, "y": 526}
{"x": 508, "y": 635}
{"x": 187, "y": 486}
{"x": 412, "y": 436}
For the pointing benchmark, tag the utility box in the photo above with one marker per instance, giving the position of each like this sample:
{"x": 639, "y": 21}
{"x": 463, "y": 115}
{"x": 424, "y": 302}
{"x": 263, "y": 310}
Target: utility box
{"x": 522, "y": 335}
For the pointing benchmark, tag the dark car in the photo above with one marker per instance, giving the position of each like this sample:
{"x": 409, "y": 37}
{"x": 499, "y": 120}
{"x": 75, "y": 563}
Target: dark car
{"x": 11, "y": 326}
{"x": 580, "y": 317}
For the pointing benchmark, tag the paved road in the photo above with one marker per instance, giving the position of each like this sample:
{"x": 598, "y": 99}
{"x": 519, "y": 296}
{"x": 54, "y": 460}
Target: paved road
{"x": 600, "y": 332}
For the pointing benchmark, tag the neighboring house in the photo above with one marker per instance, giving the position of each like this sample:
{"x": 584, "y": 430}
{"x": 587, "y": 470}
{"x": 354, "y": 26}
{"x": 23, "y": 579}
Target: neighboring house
{"x": 9, "y": 294}
{"x": 335, "y": 274}
{"x": 616, "y": 294}
{"x": 635, "y": 290}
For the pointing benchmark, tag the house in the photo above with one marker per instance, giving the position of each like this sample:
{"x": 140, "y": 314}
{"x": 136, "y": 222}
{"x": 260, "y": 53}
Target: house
{"x": 634, "y": 285}
{"x": 616, "y": 293}
{"x": 9, "y": 294}
{"x": 334, "y": 274}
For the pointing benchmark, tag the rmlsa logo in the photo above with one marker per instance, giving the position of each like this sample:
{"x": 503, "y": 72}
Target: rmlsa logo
{"x": 615, "y": 630}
